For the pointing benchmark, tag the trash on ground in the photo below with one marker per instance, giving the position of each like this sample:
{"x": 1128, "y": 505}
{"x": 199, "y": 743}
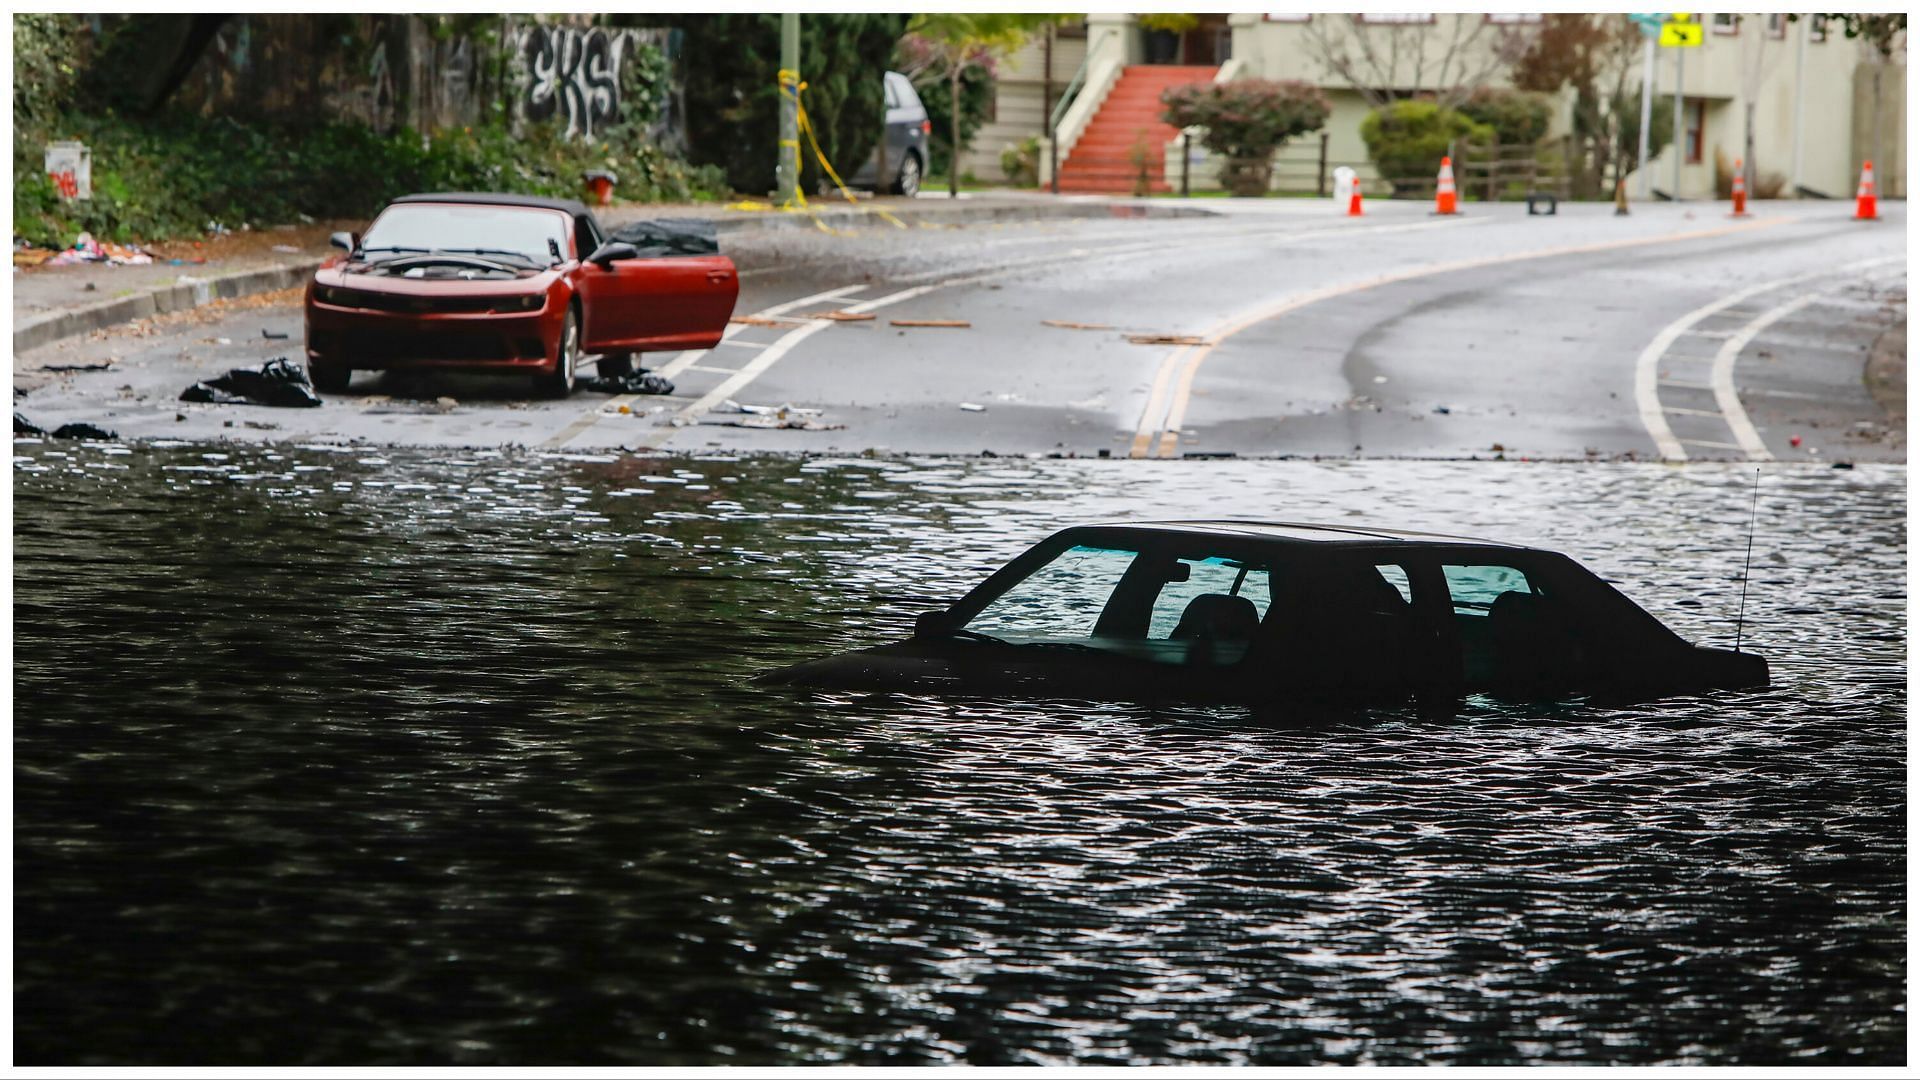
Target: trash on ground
{"x": 764, "y": 320}
{"x": 1442, "y": 410}
{"x": 86, "y": 249}
{"x": 952, "y": 324}
{"x": 286, "y": 249}
{"x": 968, "y": 406}
{"x": 278, "y": 382}
{"x": 843, "y": 316}
{"x": 102, "y": 366}
{"x": 271, "y": 336}
{"x": 1065, "y": 325}
{"x": 661, "y": 238}
{"x": 789, "y": 409}
{"x": 633, "y": 382}
{"x": 1166, "y": 339}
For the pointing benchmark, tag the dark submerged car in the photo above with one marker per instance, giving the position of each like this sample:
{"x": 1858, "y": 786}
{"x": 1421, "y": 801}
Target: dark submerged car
{"x": 496, "y": 282}
{"x": 1263, "y": 613}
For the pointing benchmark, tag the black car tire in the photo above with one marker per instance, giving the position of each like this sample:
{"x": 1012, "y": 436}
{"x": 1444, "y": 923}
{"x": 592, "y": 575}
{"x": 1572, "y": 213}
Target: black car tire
{"x": 329, "y": 379}
{"x": 614, "y": 365}
{"x": 560, "y": 383}
{"x": 908, "y": 182}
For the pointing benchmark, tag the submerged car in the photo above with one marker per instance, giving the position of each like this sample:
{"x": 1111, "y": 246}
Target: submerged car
{"x": 513, "y": 283}
{"x": 1266, "y": 613}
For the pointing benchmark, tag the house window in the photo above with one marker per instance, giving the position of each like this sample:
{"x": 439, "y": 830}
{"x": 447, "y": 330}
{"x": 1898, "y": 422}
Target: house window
{"x": 1818, "y": 31}
{"x": 1777, "y": 26}
{"x": 1696, "y": 112}
{"x": 1396, "y": 18}
{"x": 1728, "y": 25}
{"x": 1513, "y": 18}
{"x": 1289, "y": 16}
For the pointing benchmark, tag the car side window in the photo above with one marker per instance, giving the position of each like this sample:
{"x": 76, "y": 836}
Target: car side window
{"x": 586, "y": 236}
{"x": 893, "y": 94}
{"x": 1211, "y": 577}
{"x": 1396, "y": 576}
{"x": 1476, "y": 588}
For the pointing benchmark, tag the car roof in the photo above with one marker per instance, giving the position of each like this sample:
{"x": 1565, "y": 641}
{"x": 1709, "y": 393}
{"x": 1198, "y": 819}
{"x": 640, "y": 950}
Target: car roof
{"x": 1298, "y": 532}
{"x": 493, "y": 198}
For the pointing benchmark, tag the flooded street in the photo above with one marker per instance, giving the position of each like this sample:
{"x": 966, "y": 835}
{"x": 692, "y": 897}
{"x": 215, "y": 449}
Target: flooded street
{"x": 335, "y": 755}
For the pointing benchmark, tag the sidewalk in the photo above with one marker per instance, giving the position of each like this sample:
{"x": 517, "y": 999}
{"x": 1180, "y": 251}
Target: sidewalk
{"x": 52, "y": 304}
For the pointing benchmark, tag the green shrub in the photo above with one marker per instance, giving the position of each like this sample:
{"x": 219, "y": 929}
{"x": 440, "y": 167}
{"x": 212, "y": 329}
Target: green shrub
{"x": 1247, "y": 118}
{"x": 1407, "y": 139}
{"x": 1021, "y": 162}
{"x": 1517, "y": 117}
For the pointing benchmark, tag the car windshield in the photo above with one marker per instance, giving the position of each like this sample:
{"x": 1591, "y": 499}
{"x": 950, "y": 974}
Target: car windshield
{"x": 511, "y": 233}
{"x": 1170, "y": 607}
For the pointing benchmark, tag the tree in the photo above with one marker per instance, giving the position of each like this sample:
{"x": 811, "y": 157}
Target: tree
{"x": 957, "y": 41}
{"x": 1387, "y": 62}
{"x": 733, "y": 101}
{"x": 1594, "y": 54}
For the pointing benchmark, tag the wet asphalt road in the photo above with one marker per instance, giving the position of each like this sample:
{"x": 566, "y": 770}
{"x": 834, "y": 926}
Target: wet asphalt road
{"x": 1676, "y": 332}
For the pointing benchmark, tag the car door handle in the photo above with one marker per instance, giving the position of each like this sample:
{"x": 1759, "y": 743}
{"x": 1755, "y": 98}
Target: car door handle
{"x": 719, "y": 275}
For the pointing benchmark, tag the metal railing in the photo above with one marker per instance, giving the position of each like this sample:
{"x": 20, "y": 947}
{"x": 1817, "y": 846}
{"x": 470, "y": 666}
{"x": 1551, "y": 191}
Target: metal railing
{"x": 1053, "y": 121}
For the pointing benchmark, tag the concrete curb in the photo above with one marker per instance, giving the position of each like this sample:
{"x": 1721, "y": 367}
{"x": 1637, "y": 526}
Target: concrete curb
{"x": 59, "y": 325}
{"x": 842, "y": 217}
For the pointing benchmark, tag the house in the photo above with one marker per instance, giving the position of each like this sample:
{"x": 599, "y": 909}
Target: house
{"x": 1808, "y": 91}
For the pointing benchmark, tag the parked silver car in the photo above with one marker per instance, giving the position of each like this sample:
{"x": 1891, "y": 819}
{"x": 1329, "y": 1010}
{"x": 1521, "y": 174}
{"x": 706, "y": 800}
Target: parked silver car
{"x": 900, "y": 161}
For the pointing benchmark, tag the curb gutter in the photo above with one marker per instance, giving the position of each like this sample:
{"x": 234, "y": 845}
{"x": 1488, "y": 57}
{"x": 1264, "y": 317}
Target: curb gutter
{"x": 60, "y": 325}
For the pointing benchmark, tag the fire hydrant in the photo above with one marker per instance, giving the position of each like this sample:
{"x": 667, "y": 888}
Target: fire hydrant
{"x": 600, "y": 183}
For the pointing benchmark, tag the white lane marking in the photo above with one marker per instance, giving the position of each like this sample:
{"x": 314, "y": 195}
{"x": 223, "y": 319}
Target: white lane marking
{"x": 692, "y": 413}
{"x": 1646, "y": 369}
{"x": 1678, "y": 411}
{"x": 1723, "y": 392}
{"x": 1708, "y": 443}
{"x": 686, "y": 360}
{"x": 1169, "y": 428}
{"x": 741, "y": 344}
{"x": 1676, "y": 384}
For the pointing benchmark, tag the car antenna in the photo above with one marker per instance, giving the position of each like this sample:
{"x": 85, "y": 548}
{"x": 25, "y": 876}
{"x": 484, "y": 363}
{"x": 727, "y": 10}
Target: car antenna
{"x": 1753, "y": 514}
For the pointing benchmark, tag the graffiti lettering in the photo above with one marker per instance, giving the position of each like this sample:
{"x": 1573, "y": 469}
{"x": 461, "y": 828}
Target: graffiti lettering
{"x": 574, "y": 74}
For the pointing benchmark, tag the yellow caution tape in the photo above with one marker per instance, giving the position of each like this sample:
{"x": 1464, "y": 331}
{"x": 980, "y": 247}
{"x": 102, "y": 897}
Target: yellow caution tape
{"x": 790, "y": 84}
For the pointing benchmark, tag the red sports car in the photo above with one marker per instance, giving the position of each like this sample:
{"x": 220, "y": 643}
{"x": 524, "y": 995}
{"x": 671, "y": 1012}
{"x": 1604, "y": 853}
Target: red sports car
{"x": 513, "y": 283}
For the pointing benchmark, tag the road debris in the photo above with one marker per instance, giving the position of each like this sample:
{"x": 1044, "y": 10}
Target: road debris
{"x": 633, "y": 382}
{"x": 271, "y": 336}
{"x": 950, "y": 324}
{"x": 77, "y": 367}
{"x": 764, "y": 320}
{"x": 771, "y": 417}
{"x": 278, "y": 382}
{"x": 843, "y": 316}
{"x": 968, "y": 406}
{"x": 1166, "y": 339}
{"x": 1065, "y": 325}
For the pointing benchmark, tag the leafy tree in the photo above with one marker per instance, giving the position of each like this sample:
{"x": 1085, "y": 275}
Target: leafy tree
{"x": 1518, "y": 117}
{"x": 1246, "y": 120}
{"x": 1407, "y": 139}
{"x": 960, "y": 40}
{"x": 733, "y": 102}
{"x": 917, "y": 60}
{"x": 1593, "y": 54}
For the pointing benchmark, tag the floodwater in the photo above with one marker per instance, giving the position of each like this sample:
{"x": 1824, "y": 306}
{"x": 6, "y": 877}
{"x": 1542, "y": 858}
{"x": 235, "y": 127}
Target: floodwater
{"x": 335, "y": 756}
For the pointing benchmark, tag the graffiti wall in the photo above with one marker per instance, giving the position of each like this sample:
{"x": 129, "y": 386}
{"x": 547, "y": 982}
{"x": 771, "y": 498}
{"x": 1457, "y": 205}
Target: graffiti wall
{"x": 392, "y": 71}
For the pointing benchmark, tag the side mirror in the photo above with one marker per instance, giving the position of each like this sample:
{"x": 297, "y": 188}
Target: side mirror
{"x": 612, "y": 251}
{"x": 345, "y": 241}
{"x": 933, "y": 624}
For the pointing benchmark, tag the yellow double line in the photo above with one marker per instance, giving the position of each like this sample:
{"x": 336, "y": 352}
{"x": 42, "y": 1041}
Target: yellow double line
{"x": 1158, "y": 432}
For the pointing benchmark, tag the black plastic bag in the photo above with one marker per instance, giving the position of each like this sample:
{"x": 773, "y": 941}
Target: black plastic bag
{"x": 633, "y": 382}
{"x": 279, "y": 382}
{"x": 662, "y": 238}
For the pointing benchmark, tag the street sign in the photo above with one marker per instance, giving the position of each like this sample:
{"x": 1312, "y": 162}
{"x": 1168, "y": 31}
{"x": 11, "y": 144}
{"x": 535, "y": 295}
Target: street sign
{"x": 1649, "y": 22}
{"x": 1682, "y": 31}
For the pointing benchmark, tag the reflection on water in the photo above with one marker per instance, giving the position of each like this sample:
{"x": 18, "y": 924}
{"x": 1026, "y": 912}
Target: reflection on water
{"x": 330, "y": 756}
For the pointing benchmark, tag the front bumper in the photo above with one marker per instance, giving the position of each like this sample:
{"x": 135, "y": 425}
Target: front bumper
{"x": 357, "y": 338}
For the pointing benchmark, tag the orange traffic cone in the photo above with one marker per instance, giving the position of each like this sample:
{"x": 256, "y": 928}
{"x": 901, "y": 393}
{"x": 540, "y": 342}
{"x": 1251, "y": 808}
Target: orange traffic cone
{"x": 1739, "y": 188}
{"x": 1353, "y": 204}
{"x": 1866, "y": 206}
{"x": 1445, "y": 199}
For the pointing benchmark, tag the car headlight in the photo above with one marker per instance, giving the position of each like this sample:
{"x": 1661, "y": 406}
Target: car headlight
{"x": 529, "y": 302}
{"x": 327, "y": 294}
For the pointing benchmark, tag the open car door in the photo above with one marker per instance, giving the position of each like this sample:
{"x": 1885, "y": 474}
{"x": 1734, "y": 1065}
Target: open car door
{"x": 677, "y": 292}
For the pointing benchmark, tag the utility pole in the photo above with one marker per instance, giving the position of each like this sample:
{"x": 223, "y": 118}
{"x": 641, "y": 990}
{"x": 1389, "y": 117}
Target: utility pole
{"x": 788, "y": 167}
{"x": 1646, "y": 119}
{"x": 1800, "y": 98}
{"x": 1679, "y": 117}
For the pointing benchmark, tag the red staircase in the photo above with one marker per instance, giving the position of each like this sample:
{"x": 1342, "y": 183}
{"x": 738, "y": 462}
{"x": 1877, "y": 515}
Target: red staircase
{"x": 1102, "y": 161}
